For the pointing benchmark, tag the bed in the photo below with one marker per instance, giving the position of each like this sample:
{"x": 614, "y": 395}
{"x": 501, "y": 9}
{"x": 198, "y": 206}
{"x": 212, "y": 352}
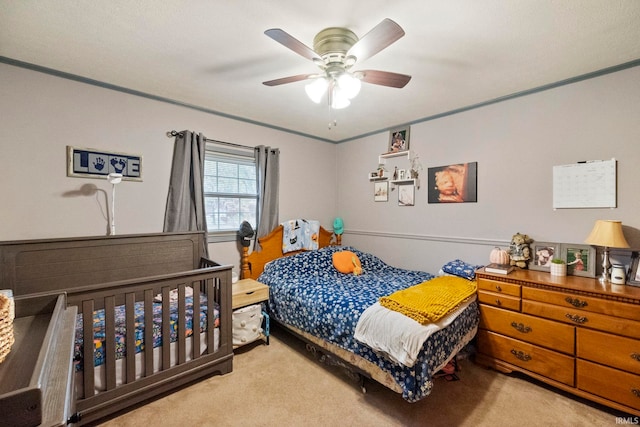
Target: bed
{"x": 326, "y": 308}
{"x": 157, "y": 285}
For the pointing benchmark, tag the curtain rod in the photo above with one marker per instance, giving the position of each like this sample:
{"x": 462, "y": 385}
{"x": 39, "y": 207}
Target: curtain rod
{"x": 174, "y": 133}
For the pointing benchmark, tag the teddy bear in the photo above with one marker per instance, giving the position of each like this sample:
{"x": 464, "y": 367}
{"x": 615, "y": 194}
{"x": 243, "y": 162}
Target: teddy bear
{"x": 519, "y": 250}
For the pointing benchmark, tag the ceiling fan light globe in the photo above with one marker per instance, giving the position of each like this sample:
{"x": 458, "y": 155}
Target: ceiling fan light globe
{"x": 316, "y": 89}
{"x": 339, "y": 99}
{"x": 349, "y": 85}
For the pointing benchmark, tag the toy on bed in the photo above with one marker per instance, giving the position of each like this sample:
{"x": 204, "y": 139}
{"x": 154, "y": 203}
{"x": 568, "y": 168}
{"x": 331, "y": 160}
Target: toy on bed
{"x": 340, "y": 314}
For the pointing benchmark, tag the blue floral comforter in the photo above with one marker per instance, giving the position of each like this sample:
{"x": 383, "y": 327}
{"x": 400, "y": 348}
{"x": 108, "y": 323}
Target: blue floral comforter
{"x": 308, "y": 293}
{"x": 120, "y": 328}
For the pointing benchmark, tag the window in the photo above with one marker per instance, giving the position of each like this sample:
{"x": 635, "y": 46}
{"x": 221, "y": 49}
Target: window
{"x": 230, "y": 190}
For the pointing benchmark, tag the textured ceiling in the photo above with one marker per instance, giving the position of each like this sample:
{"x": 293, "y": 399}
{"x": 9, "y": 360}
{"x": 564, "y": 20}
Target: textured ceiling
{"x": 214, "y": 55}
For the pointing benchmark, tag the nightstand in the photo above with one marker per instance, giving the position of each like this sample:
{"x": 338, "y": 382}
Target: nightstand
{"x": 247, "y": 292}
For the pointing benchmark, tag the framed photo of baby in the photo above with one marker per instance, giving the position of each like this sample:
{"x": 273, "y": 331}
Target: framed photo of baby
{"x": 543, "y": 253}
{"x": 399, "y": 139}
{"x": 453, "y": 183}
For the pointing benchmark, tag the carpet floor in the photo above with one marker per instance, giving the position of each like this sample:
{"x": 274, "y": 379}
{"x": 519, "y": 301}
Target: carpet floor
{"x": 281, "y": 384}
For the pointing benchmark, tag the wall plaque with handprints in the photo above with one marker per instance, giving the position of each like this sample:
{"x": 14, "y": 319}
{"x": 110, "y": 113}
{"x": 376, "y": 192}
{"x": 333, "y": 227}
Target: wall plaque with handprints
{"x": 94, "y": 163}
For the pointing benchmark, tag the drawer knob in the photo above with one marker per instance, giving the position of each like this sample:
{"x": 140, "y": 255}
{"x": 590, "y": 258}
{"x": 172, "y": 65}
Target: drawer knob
{"x": 498, "y": 302}
{"x": 577, "y": 319}
{"x": 636, "y": 392}
{"x": 498, "y": 288}
{"x": 520, "y": 355}
{"x": 635, "y": 356}
{"x": 576, "y": 302}
{"x": 520, "y": 327}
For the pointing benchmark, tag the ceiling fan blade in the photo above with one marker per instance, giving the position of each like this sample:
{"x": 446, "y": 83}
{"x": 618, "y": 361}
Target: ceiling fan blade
{"x": 384, "y": 78}
{"x": 381, "y": 36}
{"x": 292, "y": 43}
{"x": 289, "y": 79}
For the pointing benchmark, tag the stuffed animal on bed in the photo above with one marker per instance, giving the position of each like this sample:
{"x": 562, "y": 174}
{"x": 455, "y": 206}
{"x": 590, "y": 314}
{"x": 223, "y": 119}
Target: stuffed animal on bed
{"x": 519, "y": 250}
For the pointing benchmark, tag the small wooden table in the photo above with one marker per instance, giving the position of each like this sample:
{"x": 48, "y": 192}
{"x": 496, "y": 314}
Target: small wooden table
{"x": 247, "y": 292}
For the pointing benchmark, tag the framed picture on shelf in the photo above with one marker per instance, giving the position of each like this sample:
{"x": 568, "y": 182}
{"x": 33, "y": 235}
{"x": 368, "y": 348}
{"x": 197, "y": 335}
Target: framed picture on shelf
{"x": 542, "y": 253}
{"x": 580, "y": 259}
{"x": 633, "y": 277}
{"x": 381, "y": 191}
{"x": 399, "y": 140}
{"x": 406, "y": 195}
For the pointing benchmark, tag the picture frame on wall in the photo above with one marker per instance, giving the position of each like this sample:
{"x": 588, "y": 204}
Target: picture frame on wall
{"x": 542, "y": 253}
{"x": 580, "y": 259}
{"x": 399, "y": 139}
{"x": 457, "y": 183}
{"x": 633, "y": 276}
{"x": 381, "y": 191}
{"x": 406, "y": 195}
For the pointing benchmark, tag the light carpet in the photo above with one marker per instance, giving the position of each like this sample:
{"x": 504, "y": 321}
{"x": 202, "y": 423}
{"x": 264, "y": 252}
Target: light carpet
{"x": 281, "y": 384}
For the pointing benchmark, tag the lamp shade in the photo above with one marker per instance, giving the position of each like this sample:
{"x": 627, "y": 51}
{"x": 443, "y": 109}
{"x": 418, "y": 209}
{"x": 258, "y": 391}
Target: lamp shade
{"x": 338, "y": 226}
{"x": 607, "y": 233}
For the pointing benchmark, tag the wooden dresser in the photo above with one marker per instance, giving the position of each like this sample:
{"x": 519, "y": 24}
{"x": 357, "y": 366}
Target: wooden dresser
{"x": 570, "y": 332}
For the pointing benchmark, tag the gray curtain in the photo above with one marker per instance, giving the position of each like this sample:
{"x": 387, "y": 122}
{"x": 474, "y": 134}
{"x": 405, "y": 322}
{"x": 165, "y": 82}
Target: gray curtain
{"x": 185, "y": 200}
{"x": 268, "y": 169}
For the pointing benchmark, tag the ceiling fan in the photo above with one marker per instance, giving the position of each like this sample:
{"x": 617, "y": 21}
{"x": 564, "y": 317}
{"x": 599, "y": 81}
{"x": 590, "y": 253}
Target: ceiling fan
{"x": 335, "y": 51}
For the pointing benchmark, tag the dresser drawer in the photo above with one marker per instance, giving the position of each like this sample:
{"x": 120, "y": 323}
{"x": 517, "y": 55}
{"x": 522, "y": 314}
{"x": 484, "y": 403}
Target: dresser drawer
{"x": 617, "y": 352}
{"x": 602, "y": 322}
{"x": 499, "y": 287}
{"x": 547, "y": 333}
{"x": 556, "y": 366}
{"x": 499, "y": 300}
{"x": 595, "y": 305}
{"x": 612, "y": 384}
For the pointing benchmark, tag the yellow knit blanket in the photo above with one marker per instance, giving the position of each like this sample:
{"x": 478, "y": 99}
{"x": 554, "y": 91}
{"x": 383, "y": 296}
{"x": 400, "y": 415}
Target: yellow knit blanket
{"x": 429, "y": 301}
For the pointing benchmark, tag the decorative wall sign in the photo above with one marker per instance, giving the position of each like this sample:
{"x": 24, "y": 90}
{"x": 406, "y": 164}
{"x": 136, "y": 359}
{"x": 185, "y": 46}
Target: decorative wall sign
{"x": 93, "y": 163}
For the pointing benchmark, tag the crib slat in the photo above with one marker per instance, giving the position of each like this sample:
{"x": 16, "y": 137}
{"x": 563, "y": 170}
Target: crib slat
{"x": 130, "y": 301}
{"x": 182, "y": 327}
{"x": 166, "y": 329}
{"x": 87, "y": 352}
{"x": 210, "y": 315}
{"x": 196, "y": 322}
{"x": 110, "y": 342}
{"x": 148, "y": 333}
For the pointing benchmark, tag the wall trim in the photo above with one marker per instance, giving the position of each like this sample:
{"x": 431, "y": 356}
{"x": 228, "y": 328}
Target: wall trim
{"x": 431, "y": 238}
{"x": 575, "y": 79}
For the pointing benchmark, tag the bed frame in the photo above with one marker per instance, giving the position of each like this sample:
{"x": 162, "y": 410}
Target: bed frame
{"x": 103, "y": 272}
{"x": 271, "y": 248}
{"x": 324, "y": 352}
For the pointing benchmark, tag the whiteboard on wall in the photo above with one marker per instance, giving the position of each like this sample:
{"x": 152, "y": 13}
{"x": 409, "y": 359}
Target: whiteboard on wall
{"x": 590, "y": 184}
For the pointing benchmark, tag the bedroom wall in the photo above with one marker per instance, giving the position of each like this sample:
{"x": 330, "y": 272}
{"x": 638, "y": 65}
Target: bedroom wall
{"x": 516, "y": 144}
{"x": 42, "y": 114}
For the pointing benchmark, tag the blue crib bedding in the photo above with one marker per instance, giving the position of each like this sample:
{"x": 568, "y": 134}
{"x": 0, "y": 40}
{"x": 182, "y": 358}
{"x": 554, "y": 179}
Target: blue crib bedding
{"x": 308, "y": 293}
{"x": 120, "y": 328}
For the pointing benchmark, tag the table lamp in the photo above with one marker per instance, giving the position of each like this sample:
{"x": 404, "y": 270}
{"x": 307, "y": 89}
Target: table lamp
{"x": 608, "y": 234}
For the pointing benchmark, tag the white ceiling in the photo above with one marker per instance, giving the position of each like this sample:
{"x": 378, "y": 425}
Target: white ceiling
{"x": 214, "y": 55}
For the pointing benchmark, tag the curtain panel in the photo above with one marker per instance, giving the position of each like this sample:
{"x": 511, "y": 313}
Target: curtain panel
{"x": 185, "y": 200}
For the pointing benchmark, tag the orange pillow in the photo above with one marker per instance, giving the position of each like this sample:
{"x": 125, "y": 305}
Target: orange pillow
{"x": 347, "y": 262}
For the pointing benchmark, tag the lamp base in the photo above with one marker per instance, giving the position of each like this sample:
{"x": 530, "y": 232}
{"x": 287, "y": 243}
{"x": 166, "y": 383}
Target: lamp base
{"x": 605, "y": 278}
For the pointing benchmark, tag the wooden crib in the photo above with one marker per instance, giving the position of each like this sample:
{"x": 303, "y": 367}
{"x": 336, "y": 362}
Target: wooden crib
{"x": 164, "y": 274}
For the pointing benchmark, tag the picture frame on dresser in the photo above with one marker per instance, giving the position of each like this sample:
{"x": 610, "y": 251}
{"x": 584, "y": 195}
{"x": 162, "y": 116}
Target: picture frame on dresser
{"x": 580, "y": 259}
{"x": 543, "y": 253}
{"x": 633, "y": 277}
